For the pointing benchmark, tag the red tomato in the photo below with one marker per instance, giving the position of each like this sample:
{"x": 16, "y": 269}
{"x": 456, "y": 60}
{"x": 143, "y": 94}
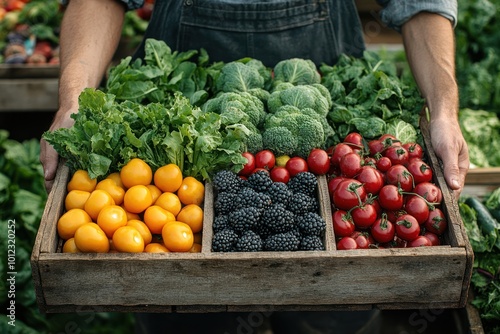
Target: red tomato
{"x": 375, "y": 146}
{"x": 318, "y": 161}
{"x": 433, "y": 237}
{"x": 399, "y": 176}
{"x": 339, "y": 151}
{"x": 349, "y": 193}
{"x": 333, "y": 183}
{"x": 418, "y": 208}
{"x": 429, "y": 191}
{"x": 414, "y": 150}
{"x": 371, "y": 178}
{"x": 347, "y": 243}
{"x": 407, "y": 227}
{"x": 420, "y": 241}
{"x": 249, "y": 166}
{"x": 296, "y": 165}
{"x": 343, "y": 225}
{"x": 397, "y": 155}
{"x": 280, "y": 174}
{"x": 390, "y": 198}
{"x": 383, "y": 230}
{"x": 363, "y": 239}
{"x": 436, "y": 222}
{"x": 354, "y": 139}
{"x": 383, "y": 164}
{"x": 265, "y": 159}
{"x": 364, "y": 216}
{"x": 350, "y": 164}
{"x": 420, "y": 170}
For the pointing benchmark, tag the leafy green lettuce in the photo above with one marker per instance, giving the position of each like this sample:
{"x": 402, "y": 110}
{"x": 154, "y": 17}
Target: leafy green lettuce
{"x": 108, "y": 133}
{"x": 368, "y": 94}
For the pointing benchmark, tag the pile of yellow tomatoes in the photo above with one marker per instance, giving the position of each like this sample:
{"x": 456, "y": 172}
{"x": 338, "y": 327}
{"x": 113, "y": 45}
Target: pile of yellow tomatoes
{"x": 135, "y": 210}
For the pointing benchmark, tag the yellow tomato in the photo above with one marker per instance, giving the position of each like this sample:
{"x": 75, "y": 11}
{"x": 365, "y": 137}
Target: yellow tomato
{"x": 113, "y": 189}
{"x": 81, "y": 180}
{"x": 177, "y": 236}
{"x": 116, "y": 177}
{"x": 168, "y": 178}
{"x": 196, "y": 248}
{"x": 97, "y": 200}
{"x": 127, "y": 239}
{"x": 169, "y": 201}
{"x": 191, "y": 191}
{"x": 142, "y": 228}
{"x": 70, "y": 221}
{"x": 192, "y": 215}
{"x": 155, "y": 191}
{"x": 69, "y": 246}
{"x": 90, "y": 238}
{"x": 136, "y": 172}
{"x": 111, "y": 218}
{"x": 155, "y": 217}
{"x": 75, "y": 199}
{"x": 156, "y": 247}
{"x": 137, "y": 199}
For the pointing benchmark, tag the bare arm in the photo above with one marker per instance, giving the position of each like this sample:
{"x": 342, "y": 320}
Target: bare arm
{"x": 430, "y": 48}
{"x": 90, "y": 33}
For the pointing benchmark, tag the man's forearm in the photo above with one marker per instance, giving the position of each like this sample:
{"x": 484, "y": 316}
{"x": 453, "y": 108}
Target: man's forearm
{"x": 90, "y": 33}
{"x": 430, "y": 48}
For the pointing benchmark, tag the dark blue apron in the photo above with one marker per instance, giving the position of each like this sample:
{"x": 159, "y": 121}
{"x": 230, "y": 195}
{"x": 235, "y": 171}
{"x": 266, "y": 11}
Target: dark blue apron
{"x": 270, "y": 31}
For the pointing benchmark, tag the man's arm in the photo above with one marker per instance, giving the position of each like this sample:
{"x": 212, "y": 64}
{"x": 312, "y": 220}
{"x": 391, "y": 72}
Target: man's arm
{"x": 90, "y": 32}
{"x": 430, "y": 48}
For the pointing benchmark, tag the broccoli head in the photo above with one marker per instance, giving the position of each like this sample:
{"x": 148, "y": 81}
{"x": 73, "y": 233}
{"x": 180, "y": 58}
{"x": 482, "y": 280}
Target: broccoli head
{"x": 310, "y": 135}
{"x": 236, "y": 76}
{"x": 280, "y": 140}
{"x": 297, "y": 71}
{"x": 253, "y": 141}
{"x": 236, "y": 103}
{"x": 303, "y": 96}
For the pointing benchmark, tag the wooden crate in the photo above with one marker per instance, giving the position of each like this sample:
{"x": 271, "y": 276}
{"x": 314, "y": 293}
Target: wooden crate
{"x": 403, "y": 278}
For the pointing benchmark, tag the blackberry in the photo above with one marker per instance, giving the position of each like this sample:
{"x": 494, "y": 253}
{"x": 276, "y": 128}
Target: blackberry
{"x": 224, "y": 241}
{"x": 301, "y": 203}
{"x": 220, "y": 222}
{"x": 259, "y": 181}
{"x": 226, "y": 180}
{"x": 224, "y": 203}
{"x": 304, "y": 182}
{"x": 244, "y": 219}
{"x": 279, "y": 193}
{"x": 249, "y": 242}
{"x": 311, "y": 242}
{"x": 278, "y": 218}
{"x": 311, "y": 223}
{"x": 287, "y": 241}
{"x": 247, "y": 197}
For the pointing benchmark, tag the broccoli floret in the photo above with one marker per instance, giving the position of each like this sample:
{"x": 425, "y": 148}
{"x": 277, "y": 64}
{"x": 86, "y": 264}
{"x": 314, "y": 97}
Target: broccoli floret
{"x": 254, "y": 142}
{"x": 296, "y": 71}
{"x": 280, "y": 140}
{"x": 234, "y": 106}
{"x": 328, "y": 130}
{"x": 236, "y": 76}
{"x": 310, "y": 135}
{"x": 303, "y": 96}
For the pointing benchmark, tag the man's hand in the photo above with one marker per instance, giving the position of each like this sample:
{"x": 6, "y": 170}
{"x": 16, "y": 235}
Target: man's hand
{"x": 450, "y": 146}
{"x": 430, "y": 49}
{"x": 49, "y": 157}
